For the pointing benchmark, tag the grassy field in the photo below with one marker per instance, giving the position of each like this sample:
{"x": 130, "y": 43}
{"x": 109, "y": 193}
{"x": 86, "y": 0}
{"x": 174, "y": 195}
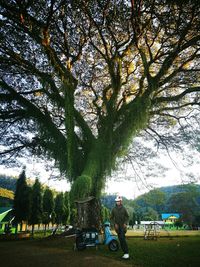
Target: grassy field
{"x": 168, "y": 251}
{"x": 165, "y": 252}
{"x": 165, "y": 233}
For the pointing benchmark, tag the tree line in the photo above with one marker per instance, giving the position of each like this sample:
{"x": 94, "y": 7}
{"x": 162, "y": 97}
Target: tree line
{"x": 34, "y": 205}
{"x": 182, "y": 199}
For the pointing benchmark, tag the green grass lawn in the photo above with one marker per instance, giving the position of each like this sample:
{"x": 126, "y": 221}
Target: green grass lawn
{"x": 181, "y": 251}
{"x": 175, "y": 251}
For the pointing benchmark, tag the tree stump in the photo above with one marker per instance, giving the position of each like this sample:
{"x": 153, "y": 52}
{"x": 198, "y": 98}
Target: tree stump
{"x": 89, "y": 213}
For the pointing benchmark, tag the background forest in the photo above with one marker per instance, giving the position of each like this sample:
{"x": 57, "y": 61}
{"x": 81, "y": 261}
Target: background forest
{"x": 182, "y": 199}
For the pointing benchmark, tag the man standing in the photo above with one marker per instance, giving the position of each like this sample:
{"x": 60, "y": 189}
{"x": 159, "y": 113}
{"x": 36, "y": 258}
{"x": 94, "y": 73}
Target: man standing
{"x": 119, "y": 216}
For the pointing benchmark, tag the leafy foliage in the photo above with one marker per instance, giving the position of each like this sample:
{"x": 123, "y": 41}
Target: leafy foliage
{"x": 48, "y": 205}
{"x": 81, "y": 187}
{"x": 67, "y": 211}
{"x": 186, "y": 203}
{"x": 59, "y": 208}
{"x": 105, "y": 214}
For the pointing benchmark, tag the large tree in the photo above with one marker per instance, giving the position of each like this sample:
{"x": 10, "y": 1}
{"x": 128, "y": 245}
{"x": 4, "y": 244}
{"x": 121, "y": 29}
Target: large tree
{"x": 81, "y": 79}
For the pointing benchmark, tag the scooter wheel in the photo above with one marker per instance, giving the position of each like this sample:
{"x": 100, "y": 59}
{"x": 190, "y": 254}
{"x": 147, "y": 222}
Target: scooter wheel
{"x": 80, "y": 245}
{"x": 113, "y": 245}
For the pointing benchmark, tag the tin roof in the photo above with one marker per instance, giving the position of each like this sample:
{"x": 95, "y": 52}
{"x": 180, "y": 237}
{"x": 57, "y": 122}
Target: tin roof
{"x": 166, "y": 216}
{"x": 4, "y": 212}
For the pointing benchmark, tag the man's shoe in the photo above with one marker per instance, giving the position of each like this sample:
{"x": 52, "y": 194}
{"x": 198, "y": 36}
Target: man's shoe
{"x": 125, "y": 257}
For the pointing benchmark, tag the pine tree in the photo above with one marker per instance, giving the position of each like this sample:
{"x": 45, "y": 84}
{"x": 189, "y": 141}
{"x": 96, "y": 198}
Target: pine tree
{"x": 21, "y": 200}
{"x": 66, "y": 208}
{"x": 36, "y": 204}
{"x": 48, "y": 206}
{"x": 59, "y": 208}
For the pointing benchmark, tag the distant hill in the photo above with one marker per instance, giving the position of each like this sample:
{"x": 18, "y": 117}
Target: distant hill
{"x": 159, "y": 199}
{"x": 174, "y": 189}
{"x": 8, "y": 182}
{"x": 6, "y": 197}
{"x": 7, "y": 188}
{"x": 109, "y": 201}
{"x": 140, "y": 201}
{"x": 6, "y": 193}
{"x": 169, "y": 190}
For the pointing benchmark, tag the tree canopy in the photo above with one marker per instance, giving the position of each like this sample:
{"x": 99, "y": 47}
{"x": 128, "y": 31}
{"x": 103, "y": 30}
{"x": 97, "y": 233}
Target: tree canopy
{"x": 80, "y": 79}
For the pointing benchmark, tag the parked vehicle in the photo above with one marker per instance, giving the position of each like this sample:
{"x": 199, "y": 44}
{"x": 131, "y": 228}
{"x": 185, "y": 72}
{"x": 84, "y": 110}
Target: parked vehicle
{"x": 91, "y": 238}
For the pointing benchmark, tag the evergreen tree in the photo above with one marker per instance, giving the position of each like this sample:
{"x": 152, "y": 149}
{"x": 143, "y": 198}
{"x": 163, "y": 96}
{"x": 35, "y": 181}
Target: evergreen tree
{"x": 36, "y": 204}
{"x": 53, "y": 217}
{"x": 21, "y": 203}
{"x": 66, "y": 208}
{"x": 59, "y": 208}
{"x": 48, "y": 206}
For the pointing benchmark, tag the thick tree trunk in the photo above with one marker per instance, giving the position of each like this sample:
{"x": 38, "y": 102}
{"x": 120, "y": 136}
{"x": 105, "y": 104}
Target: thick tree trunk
{"x": 96, "y": 166}
{"x": 89, "y": 213}
{"x": 88, "y": 204}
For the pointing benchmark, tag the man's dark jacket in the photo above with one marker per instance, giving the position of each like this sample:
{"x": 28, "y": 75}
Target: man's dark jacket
{"x": 119, "y": 215}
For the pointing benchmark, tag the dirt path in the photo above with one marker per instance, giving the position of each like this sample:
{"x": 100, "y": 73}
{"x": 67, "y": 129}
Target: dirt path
{"x": 52, "y": 254}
